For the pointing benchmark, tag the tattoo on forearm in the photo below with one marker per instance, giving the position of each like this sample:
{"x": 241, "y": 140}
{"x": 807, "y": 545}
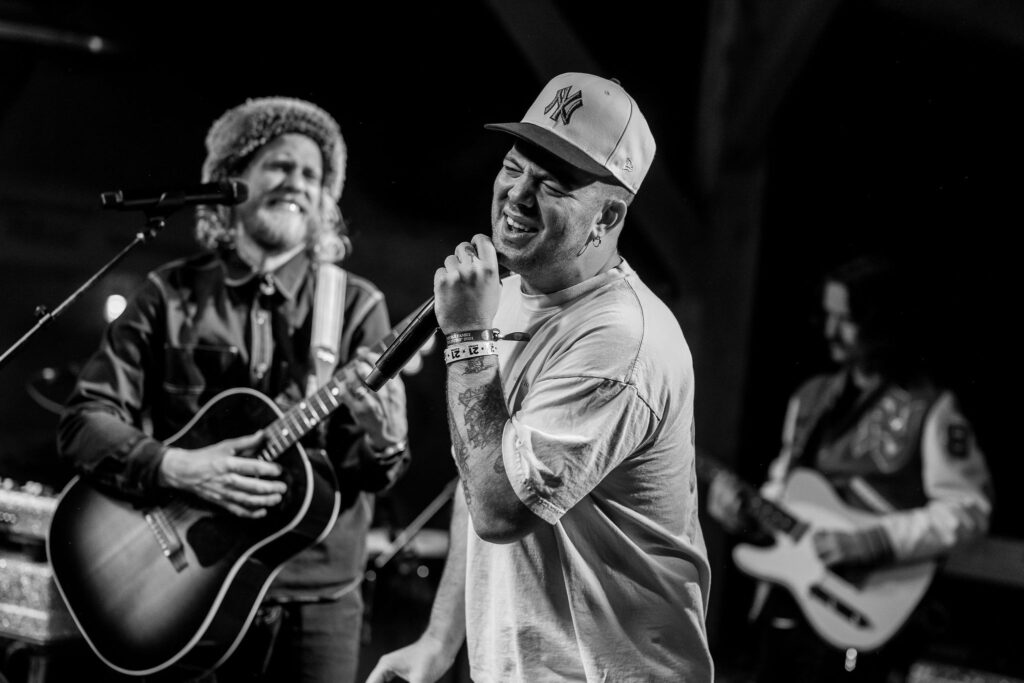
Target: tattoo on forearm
{"x": 474, "y": 366}
{"x": 485, "y": 414}
{"x": 459, "y": 449}
{"x": 476, "y": 417}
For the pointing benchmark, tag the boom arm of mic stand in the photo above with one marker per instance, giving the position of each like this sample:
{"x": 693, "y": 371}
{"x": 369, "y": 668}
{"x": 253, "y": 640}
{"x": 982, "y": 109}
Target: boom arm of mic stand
{"x": 154, "y": 223}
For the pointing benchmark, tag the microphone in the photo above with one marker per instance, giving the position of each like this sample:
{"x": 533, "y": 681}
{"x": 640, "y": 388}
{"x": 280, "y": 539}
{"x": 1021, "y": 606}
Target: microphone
{"x": 223, "y": 192}
{"x": 422, "y": 324}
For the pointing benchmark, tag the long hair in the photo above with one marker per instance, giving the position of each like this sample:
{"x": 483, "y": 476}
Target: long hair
{"x": 235, "y": 139}
{"x": 884, "y": 309}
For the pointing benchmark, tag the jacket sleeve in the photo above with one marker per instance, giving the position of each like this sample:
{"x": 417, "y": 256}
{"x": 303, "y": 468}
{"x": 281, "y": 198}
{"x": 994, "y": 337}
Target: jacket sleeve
{"x": 100, "y": 430}
{"x": 957, "y": 482}
{"x": 357, "y": 466}
{"x": 954, "y": 476}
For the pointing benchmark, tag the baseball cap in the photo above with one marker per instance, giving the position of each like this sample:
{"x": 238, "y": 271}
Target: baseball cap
{"x": 591, "y": 123}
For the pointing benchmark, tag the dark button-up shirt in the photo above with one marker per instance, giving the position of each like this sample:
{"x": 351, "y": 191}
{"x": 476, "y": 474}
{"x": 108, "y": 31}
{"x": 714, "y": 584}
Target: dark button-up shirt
{"x": 199, "y": 326}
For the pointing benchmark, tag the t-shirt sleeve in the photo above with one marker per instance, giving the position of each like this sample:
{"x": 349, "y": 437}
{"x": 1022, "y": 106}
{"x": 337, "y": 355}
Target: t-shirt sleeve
{"x": 567, "y": 436}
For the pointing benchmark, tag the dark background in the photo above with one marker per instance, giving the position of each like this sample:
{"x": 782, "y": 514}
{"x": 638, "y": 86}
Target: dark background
{"x": 897, "y": 130}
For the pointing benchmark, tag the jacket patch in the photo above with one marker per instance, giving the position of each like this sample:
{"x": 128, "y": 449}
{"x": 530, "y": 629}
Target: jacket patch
{"x": 958, "y": 437}
{"x": 887, "y": 431}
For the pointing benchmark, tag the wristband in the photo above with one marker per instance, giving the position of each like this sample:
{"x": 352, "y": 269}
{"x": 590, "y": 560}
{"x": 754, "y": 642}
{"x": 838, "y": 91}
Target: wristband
{"x": 483, "y": 335}
{"x": 467, "y": 350}
{"x": 471, "y": 336}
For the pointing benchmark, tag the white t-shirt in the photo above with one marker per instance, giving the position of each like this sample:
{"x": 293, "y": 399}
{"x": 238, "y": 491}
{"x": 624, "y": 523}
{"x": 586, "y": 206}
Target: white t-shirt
{"x": 600, "y": 445}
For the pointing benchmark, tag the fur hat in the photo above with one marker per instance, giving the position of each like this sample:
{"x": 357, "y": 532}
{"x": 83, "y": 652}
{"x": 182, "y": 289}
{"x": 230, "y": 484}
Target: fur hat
{"x": 241, "y": 131}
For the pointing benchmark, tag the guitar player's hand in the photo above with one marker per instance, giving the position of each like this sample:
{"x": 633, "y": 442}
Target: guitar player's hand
{"x": 852, "y": 548}
{"x": 725, "y": 502}
{"x": 244, "y": 486}
{"x": 381, "y": 414}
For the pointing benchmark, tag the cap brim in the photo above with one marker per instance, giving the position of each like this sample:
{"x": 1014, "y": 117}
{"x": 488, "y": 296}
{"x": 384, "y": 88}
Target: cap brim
{"x": 546, "y": 140}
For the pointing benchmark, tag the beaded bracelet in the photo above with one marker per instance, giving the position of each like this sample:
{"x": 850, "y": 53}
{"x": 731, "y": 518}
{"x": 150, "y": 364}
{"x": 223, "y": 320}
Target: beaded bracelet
{"x": 483, "y": 335}
{"x": 467, "y": 350}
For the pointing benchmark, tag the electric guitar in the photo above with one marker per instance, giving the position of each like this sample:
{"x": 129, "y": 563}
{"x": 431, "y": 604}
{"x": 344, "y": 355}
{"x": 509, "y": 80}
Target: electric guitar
{"x": 170, "y": 587}
{"x": 859, "y": 609}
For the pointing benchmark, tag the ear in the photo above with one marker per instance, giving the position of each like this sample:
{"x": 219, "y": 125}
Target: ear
{"x": 612, "y": 217}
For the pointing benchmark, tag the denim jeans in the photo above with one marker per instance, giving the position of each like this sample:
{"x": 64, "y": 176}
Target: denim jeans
{"x": 313, "y": 642}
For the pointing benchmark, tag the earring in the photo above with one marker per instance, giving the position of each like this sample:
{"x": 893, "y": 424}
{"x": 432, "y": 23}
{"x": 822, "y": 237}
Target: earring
{"x": 595, "y": 240}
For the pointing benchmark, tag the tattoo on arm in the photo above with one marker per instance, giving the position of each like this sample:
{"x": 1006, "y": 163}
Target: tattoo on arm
{"x": 485, "y": 414}
{"x": 476, "y": 419}
{"x": 459, "y": 449}
{"x": 474, "y": 366}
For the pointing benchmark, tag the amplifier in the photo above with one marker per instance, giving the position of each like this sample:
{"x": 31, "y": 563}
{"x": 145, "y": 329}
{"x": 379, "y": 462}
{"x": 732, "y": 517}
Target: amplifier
{"x": 31, "y": 608}
{"x": 25, "y": 510}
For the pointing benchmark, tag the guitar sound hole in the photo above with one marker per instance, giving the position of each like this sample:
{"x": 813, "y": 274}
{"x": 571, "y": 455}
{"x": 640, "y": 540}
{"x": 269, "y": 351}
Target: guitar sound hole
{"x": 211, "y": 538}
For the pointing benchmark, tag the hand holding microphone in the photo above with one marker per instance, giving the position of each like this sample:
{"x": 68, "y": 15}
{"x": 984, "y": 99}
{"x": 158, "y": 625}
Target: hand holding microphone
{"x": 467, "y": 288}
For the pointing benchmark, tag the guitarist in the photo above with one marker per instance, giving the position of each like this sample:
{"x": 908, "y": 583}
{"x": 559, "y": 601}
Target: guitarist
{"x": 890, "y": 442}
{"x": 240, "y": 314}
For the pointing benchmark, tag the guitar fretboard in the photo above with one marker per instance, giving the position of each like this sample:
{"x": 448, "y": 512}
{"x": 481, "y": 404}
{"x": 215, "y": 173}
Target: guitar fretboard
{"x": 769, "y": 514}
{"x": 301, "y": 418}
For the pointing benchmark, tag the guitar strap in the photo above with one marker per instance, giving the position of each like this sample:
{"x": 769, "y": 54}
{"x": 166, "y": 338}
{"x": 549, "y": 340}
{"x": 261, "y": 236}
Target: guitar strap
{"x": 328, "y": 320}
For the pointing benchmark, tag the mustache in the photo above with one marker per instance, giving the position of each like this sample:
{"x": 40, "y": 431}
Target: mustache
{"x": 304, "y": 202}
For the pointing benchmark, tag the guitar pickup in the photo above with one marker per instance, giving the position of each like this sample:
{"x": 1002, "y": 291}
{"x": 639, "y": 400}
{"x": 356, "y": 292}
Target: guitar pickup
{"x": 851, "y": 614}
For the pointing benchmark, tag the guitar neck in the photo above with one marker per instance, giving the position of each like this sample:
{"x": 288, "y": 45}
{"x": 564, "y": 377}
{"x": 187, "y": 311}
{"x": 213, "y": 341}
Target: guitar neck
{"x": 769, "y": 514}
{"x": 301, "y": 418}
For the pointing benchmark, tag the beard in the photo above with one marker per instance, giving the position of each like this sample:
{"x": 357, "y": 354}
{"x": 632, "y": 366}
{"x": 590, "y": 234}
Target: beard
{"x": 276, "y": 230}
{"x": 542, "y": 253}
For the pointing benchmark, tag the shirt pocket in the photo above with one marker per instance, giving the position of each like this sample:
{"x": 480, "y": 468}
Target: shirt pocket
{"x": 200, "y": 369}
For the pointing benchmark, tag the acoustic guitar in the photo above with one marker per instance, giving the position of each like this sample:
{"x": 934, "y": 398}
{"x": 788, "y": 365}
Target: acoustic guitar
{"x": 859, "y": 609}
{"x": 170, "y": 587}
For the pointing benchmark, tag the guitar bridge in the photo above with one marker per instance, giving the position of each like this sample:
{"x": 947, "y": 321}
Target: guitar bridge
{"x": 167, "y": 538}
{"x": 850, "y": 613}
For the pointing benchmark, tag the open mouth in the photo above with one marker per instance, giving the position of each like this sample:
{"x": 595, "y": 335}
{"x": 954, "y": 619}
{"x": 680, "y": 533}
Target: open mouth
{"x": 284, "y": 204}
{"x": 517, "y": 226}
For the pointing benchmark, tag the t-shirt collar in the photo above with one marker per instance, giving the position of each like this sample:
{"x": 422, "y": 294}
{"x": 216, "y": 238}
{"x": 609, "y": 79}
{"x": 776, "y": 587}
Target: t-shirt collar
{"x": 564, "y": 296}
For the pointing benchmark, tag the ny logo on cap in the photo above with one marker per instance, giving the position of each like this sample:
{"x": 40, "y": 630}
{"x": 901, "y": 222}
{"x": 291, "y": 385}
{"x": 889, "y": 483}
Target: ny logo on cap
{"x": 564, "y": 105}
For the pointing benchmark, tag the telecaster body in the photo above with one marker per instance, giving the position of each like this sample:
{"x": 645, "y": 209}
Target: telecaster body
{"x": 862, "y": 612}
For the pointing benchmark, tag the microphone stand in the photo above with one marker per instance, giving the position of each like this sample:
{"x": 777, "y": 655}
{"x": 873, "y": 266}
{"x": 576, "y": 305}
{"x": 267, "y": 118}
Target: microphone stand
{"x": 156, "y": 219}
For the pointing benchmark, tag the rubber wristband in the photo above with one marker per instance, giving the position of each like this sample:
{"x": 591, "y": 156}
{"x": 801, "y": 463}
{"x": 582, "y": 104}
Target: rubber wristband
{"x": 470, "y": 336}
{"x": 468, "y": 350}
{"x": 483, "y": 335}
